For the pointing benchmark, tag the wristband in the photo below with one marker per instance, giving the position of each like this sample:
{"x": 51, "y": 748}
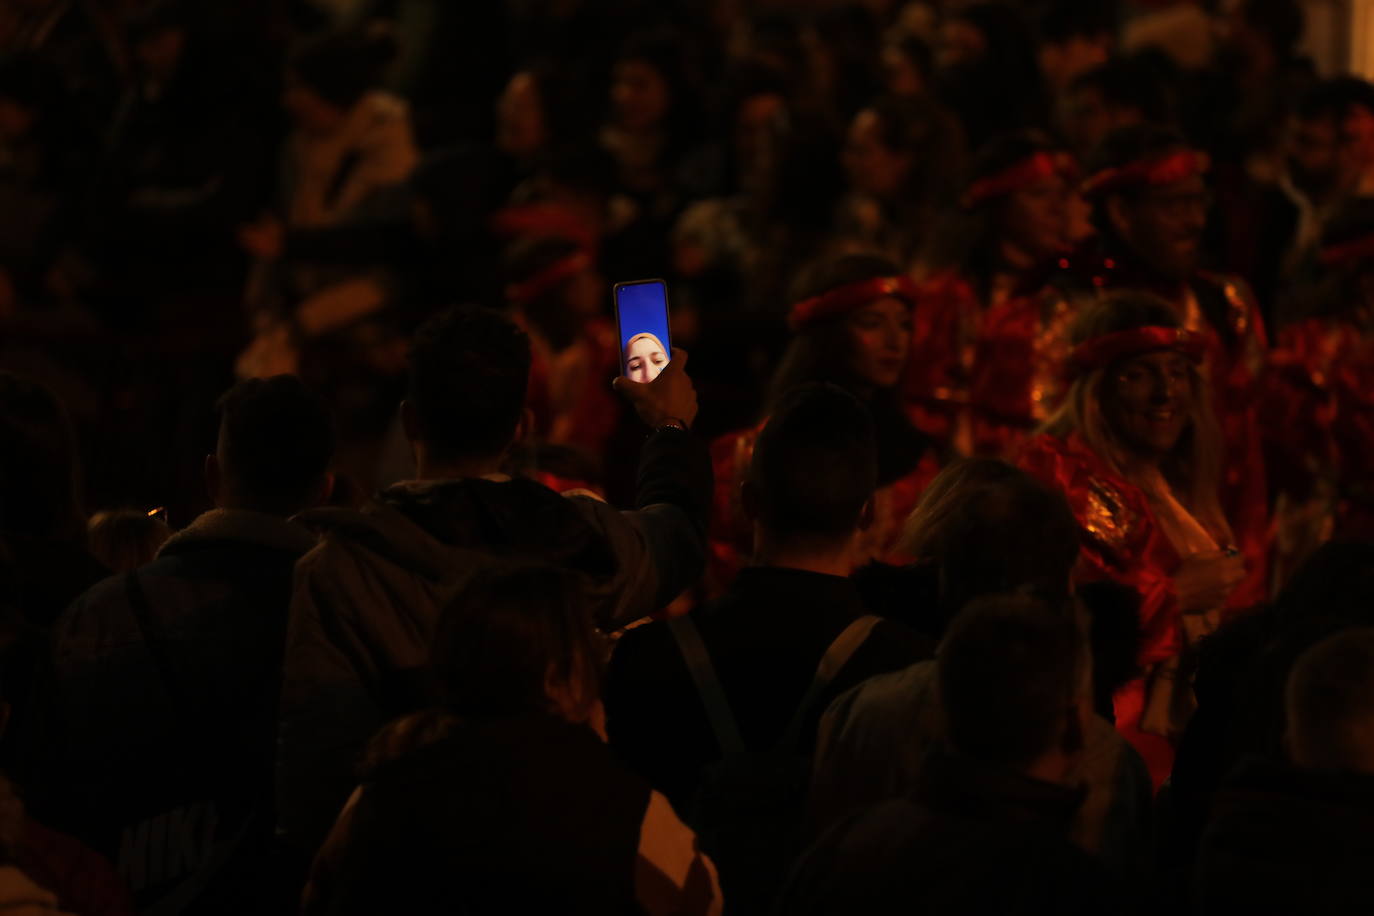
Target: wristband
{"x": 673, "y": 423}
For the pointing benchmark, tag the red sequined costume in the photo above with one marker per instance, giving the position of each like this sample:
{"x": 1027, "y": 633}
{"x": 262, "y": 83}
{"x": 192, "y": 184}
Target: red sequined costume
{"x": 570, "y": 391}
{"x": 1126, "y": 541}
{"x": 1319, "y": 422}
{"x": 1121, "y": 542}
{"x": 935, "y": 386}
{"x": 966, "y": 385}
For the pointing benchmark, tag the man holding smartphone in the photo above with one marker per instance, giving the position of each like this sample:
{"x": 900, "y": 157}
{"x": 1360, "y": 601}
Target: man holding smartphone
{"x": 367, "y": 598}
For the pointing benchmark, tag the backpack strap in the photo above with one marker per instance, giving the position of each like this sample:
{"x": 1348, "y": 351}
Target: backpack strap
{"x": 698, "y": 660}
{"x": 832, "y": 662}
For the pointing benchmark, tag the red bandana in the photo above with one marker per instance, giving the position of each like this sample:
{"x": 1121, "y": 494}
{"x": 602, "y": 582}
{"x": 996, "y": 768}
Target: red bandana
{"x": 850, "y": 298}
{"x": 548, "y": 278}
{"x": 1176, "y": 166}
{"x": 1019, "y": 176}
{"x": 1101, "y": 352}
{"x": 543, "y": 220}
{"x": 1353, "y": 250}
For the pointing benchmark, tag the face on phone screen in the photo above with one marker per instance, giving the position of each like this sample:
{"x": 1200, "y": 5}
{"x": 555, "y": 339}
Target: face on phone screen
{"x": 642, "y": 314}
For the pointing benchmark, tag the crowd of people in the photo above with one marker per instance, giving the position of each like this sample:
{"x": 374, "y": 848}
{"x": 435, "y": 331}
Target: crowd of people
{"x": 1005, "y": 543}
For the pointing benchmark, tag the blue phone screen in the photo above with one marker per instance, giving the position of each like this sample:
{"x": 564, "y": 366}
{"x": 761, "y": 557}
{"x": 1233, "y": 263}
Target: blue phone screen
{"x": 642, "y": 314}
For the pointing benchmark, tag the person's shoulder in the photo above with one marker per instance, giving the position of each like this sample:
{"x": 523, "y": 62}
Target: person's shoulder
{"x": 880, "y": 705}
{"x": 1045, "y": 455}
{"x": 96, "y": 617}
{"x": 900, "y": 642}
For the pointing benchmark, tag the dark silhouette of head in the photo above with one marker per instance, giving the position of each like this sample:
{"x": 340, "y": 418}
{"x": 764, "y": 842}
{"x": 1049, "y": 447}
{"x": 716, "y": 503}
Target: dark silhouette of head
{"x": 276, "y": 440}
{"x": 1013, "y": 676}
{"x": 469, "y": 369}
{"x": 1330, "y": 704}
{"x": 988, "y": 527}
{"x": 519, "y": 640}
{"x": 814, "y": 468}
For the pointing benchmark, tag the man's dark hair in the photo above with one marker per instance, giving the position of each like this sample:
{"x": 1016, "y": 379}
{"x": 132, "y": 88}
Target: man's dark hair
{"x": 277, "y": 439}
{"x": 815, "y": 464}
{"x": 507, "y": 633}
{"x": 469, "y": 369}
{"x": 1009, "y": 669}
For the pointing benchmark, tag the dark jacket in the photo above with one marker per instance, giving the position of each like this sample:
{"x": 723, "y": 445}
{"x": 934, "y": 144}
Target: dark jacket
{"x": 765, "y": 636}
{"x": 168, "y": 770}
{"x": 973, "y": 838}
{"x": 1283, "y": 840}
{"x": 520, "y": 814}
{"x": 368, "y": 598}
{"x": 874, "y": 740}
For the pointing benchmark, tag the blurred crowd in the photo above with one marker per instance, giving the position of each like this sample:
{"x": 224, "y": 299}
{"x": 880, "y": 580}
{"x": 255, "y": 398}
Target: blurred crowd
{"x": 1001, "y": 537}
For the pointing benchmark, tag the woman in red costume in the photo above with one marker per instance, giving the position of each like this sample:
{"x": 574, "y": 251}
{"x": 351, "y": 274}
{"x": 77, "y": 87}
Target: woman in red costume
{"x": 852, "y": 323}
{"x": 1015, "y": 216}
{"x": 556, "y": 293}
{"x": 1137, "y": 451}
{"x": 1319, "y": 397}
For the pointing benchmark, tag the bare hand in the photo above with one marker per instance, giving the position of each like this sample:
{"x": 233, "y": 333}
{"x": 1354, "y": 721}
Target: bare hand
{"x": 1205, "y": 580}
{"x": 669, "y": 397}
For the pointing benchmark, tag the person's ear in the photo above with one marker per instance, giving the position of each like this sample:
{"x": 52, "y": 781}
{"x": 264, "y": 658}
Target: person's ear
{"x": 214, "y": 479}
{"x": 749, "y": 499}
{"x": 1118, "y": 215}
{"x": 866, "y": 516}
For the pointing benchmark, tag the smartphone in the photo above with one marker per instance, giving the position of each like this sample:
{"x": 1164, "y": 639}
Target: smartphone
{"x": 641, "y": 318}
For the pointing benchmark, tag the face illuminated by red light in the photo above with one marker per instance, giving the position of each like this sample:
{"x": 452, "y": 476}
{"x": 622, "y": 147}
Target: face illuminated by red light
{"x": 1163, "y": 225}
{"x": 1036, "y": 219}
{"x": 879, "y": 339}
{"x": 1149, "y": 401}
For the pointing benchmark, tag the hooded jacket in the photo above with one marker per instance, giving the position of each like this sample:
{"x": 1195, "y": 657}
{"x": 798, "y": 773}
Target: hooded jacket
{"x": 367, "y": 599}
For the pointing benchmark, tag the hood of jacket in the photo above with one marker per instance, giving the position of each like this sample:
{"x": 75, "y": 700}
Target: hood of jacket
{"x": 423, "y": 526}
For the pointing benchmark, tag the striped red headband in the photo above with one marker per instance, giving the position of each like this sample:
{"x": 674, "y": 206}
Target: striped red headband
{"x": 1101, "y": 352}
{"x": 850, "y": 298}
{"x": 548, "y": 278}
{"x": 1029, "y": 171}
{"x": 1354, "y": 250}
{"x": 1175, "y": 166}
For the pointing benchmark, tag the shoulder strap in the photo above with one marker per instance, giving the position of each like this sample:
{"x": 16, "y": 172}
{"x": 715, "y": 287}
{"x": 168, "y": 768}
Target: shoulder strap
{"x": 832, "y": 662}
{"x": 156, "y": 640}
{"x": 698, "y": 660}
